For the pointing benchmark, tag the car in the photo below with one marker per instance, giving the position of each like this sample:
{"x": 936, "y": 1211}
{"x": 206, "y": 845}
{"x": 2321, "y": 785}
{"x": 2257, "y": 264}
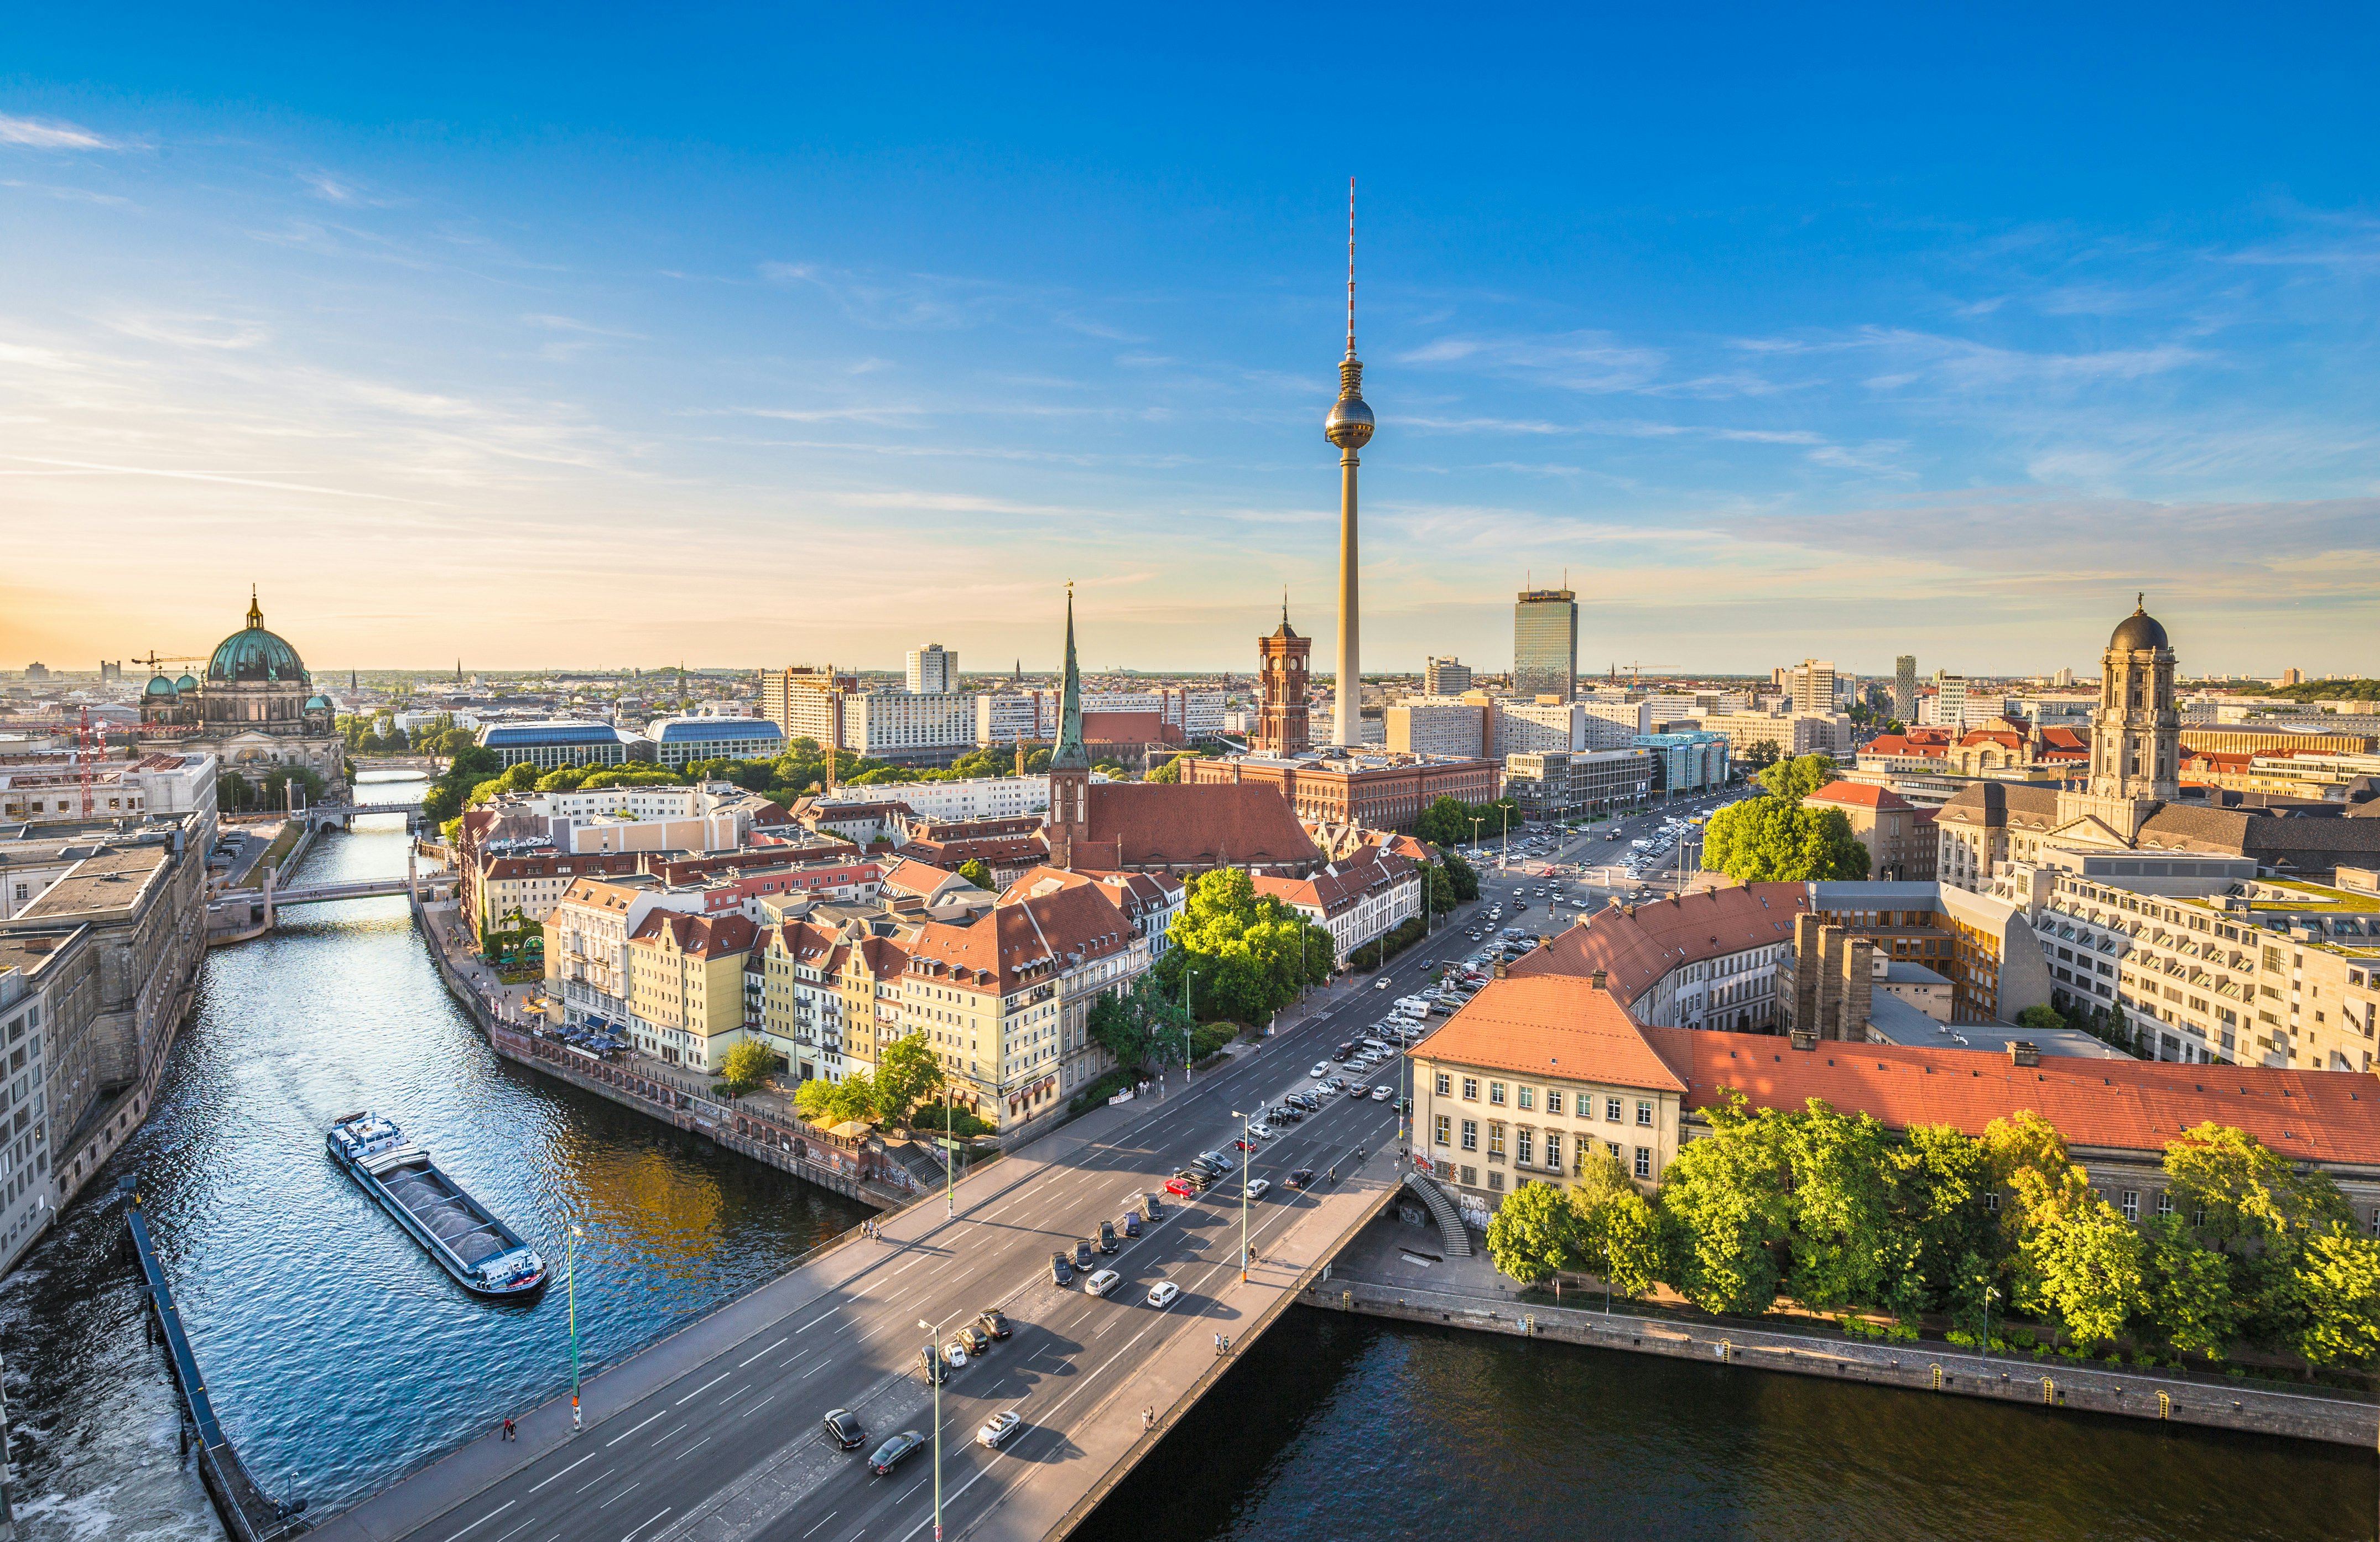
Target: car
{"x": 892, "y": 1453}
{"x": 1382, "y": 1094}
{"x": 993, "y": 1322}
{"x": 1243, "y": 1143}
{"x": 1100, "y": 1284}
{"x": 1108, "y": 1243}
{"x": 1152, "y": 1207}
{"x": 1181, "y": 1185}
{"x": 1262, "y": 1132}
{"x": 1214, "y": 1162}
{"x": 846, "y": 1432}
{"x": 1081, "y": 1256}
{"x": 955, "y": 1355}
{"x": 1301, "y": 1178}
{"x": 1258, "y": 1189}
{"x": 978, "y": 1341}
{"x": 1343, "y": 1050}
{"x": 1288, "y": 1113}
{"x": 1062, "y": 1273}
{"x": 1337, "y": 1085}
{"x": 999, "y": 1427}
{"x": 1164, "y": 1294}
{"x": 1383, "y": 983}
{"x": 1321, "y": 1069}
{"x": 1132, "y": 1223}
{"x": 931, "y": 1366}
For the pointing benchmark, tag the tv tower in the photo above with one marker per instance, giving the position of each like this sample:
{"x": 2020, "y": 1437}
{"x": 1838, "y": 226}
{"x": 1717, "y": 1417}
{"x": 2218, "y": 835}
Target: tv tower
{"x": 1349, "y": 427}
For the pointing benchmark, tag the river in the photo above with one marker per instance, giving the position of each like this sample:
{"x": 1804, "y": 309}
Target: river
{"x": 340, "y": 1357}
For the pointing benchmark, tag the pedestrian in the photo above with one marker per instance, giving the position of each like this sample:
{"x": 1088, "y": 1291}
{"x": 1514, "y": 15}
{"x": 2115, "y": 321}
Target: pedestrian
{"x": 508, "y": 1426}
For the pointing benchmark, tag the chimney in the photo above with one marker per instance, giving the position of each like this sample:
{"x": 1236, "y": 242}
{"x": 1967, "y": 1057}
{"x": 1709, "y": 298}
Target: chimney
{"x": 1807, "y": 951}
{"x": 1804, "y": 1039}
{"x": 1859, "y": 987}
{"x": 1597, "y": 980}
{"x": 1498, "y": 968}
{"x": 2025, "y": 1051}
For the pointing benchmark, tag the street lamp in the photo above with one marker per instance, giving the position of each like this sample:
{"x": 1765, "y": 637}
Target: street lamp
{"x": 1985, "y": 1346}
{"x": 1245, "y": 1153}
{"x": 934, "y": 1349}
{"x": 1186, "y": 1025}
{"x": 570, "y": 1286}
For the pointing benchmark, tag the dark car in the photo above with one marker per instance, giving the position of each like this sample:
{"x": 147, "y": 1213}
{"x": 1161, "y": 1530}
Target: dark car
{"x": 1060, "y": 1271}
{"x": 933, "y": 1368}
{"x": 1343, "y": 1052}
{"x": 846, "y": 1432}
{"x": 976, "y": 1341}
{"x": 1108, "y": 1243}
{"x": 1132, "y": 1223}
{"x": 1301, "y": 1178}
{"x": 1082, "y": 1255}
{"x": 1190, "y": 1179}
{"x": 1152, "y": 1207}
{"x": 993, "y": 1323}
{"x": 892, "y": 1453}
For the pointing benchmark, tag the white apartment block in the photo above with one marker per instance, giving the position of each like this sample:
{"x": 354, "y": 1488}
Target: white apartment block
{"x": 1435, "y": 725}
{"x": 1540, "y": 728}
{"x": 1009, "y": 717}
{"x": 1811, "y": 684}
{"x": 981, "y": 797}
{"x": 890, "y": 725}
{"x": 1616, "y": 725}
{"x": 1802, "y": 734}
{"x": 933, "y": 669}
{"x": 587, "y": 944}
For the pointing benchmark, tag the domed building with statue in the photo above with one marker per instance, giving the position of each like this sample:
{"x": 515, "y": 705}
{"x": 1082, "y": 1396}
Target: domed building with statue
{"x": 256, "y": 710}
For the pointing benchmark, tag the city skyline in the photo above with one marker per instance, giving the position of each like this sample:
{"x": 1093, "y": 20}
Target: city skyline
{"x": 447, "y": 355}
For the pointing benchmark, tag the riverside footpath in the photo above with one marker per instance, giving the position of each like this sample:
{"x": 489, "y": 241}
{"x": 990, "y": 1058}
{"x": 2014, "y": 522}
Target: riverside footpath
{"x": 1394, "y": 1270}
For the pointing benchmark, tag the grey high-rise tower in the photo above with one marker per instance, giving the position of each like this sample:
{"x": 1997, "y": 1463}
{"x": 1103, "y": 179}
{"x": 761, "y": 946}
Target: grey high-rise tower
{"x": 1545, "y": 644}
{"x": 1349, "y": 427}
{"x": 1905, "y": 688}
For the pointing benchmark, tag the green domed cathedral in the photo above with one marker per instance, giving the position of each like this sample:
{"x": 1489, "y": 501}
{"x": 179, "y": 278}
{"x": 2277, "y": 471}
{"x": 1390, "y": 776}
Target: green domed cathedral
{"x": 256, "y": 710}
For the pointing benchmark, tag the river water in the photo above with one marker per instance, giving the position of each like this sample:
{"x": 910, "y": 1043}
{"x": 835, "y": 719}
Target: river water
{"x": 339, "y": 1356}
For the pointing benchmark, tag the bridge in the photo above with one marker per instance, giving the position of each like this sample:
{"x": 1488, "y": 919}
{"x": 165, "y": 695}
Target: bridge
{"x": 238, "y": 915}
{"x": 713, "y": 1434}
{"x": 344, "y": 814}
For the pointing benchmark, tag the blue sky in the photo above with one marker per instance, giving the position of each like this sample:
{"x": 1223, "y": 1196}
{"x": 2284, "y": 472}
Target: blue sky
{"x": 599, "y": 335}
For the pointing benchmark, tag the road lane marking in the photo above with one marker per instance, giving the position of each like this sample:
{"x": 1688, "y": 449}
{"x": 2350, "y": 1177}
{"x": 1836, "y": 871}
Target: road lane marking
{"x": 485, "y": 1519}
{"x": 697, "y": 1445}
{"x": 757, "y": 1406}
{"x": 741, "y": 1364}
{"x": 595, "y": 1479}
{"x": 704, "y": 1387}
{"x": 912, "y": 1488}
{"x": 543, "y": 1481}
{"x": 910, "y": 1265}
{"x": 679, "y": 1431}
{"x": 518, "y": 1529}
{"x": 814, "y": 1370}
{"x": 817, "y": 1319}
{"x": 823, "y": 1520}
{"x": 656, "y": 1515}
{"x": 621, "y": 1495}
{"x": 633, "y": 1428}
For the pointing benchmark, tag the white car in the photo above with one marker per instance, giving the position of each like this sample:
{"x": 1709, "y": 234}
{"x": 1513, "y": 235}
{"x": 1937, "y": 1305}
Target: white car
{"x": 1163, "y": 1294}
{"x": 1101, "y": 1282}
{"x": 1384, "y": 984}
{"x": 1319, "y": 1070}
{"x": 999, "y": 1427}
{"x": 1258, "y": 1189}
{"x": 1260, "y": 1131}
{"x": 1381, "y": 1095}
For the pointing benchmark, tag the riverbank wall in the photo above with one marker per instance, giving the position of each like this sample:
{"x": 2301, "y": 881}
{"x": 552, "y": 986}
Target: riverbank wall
{"x": 1917, "y": 1367}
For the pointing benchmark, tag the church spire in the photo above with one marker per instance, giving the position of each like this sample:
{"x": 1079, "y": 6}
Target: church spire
{"x": 1070, "y": 754}
{"x": 255, "y": 615}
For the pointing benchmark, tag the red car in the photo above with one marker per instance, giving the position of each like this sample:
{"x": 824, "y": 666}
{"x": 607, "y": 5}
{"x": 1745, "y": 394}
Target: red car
{"x": 1182, "y": 1186}
{"x": 1243, "y": 1145}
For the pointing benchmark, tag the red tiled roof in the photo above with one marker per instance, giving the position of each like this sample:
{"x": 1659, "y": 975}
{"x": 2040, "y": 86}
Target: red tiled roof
{"x": 699, "y": 936}
{"x": 1554, "y": 1025}
{"x": 2109, "y": 1104}
{"x": 914, "y": 877}
{"x": 993, "y": 952}
{"x": 1904, "y": 744}
{"x": 1636, "y": 950}
{"x": 1858, "y": 795}
{"x": 1149, "y": 825}
{"x": 1126, "y": 728}
{"x": 1344, "y": 885}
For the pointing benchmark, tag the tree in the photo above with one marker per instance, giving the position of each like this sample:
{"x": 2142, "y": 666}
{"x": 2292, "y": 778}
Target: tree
{"x": 1762, "y": 840}
{"x": 907, "y": 1073}
{"x": 1140, "y": 1025}
{"x": 1440, "y": 890}
{"x": 1535, "y": 1233}
{"x": 470, "y": 766}
{"x": 1620, "y": 1236}
{"x": 2041, "y": 1017}
{"x": 1170, "y": 772}
{"x": 1943, "y": 1251}
{"x": 1460, "y": 875}
{"x": 2082, "y": 1263}
{"x": 975, "y": 872}
{"x": 1728, "y": 1196}
{"x": 1797, "y": 778}
{"x": 1760, "y": 755}
{"x": 1841, "y": 1207}
{"x": 747, "y": 1065}
{"x": 1445, "y": 823}
{"x": 2188, "y": 1289}
{"x": 2246, "y": 1202}
{"x": 1250, "y": 954}
{"x": 1896, "y": 726}
{"x": 2337, "y": 1281}
{"x": 830, "y": 1103}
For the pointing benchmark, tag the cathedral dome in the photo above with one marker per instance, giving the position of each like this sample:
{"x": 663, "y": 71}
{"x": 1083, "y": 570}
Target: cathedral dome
{"x": 2137, "y": 633}
{"x": 254, "y": 654}
{"x": 184, "y": 685}
{"x": 161, "y": 686}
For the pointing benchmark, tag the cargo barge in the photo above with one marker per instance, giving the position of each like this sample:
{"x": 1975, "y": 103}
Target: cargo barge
{"x": 485, "y": 1257}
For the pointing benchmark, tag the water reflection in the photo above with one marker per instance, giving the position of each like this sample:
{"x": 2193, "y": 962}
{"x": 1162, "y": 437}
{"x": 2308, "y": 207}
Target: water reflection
{"x": 338, "y": 1355}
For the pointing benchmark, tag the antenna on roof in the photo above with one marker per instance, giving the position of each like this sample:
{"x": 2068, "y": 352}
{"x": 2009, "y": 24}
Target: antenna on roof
{"x": 1351, "y": 267}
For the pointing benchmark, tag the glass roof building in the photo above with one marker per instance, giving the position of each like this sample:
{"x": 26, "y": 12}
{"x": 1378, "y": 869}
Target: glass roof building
{"x": 1545, "y": 644}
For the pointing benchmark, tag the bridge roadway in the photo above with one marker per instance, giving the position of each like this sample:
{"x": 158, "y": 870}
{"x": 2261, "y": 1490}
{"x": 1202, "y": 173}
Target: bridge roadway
{"x": 714, "y": 1433}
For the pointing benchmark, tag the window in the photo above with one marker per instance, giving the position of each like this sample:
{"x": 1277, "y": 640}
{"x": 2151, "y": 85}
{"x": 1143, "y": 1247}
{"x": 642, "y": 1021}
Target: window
{"x": 1614, "y": 1147}
{"x": 1553, "y": 1101}
{"x": 1524, "y": 1147}
{"x": 1495, "y": 1140}
{"x": 1496, "y": 1093}
{"x": 1644, "y": 1161}
{"x": 1553, "y": 1150}
{"x": 1445, "y": 1127}
{"x": 1611, "y": 1111}
{"x": 1495, "y": 1180}
{"x": 1445, "y": 1084}
{"x": 1992, "y": 1200}
{"x": 2165, "y": 1202}
{"x": 1643, "y": 1112}
{"x": 1471, "y": 1135}
{"x": 1471, "y": 1088}
{"x": 2132, "y": 1205}
{"x": 1471, "y": 1177}
{"x": 1528, "y": 1096}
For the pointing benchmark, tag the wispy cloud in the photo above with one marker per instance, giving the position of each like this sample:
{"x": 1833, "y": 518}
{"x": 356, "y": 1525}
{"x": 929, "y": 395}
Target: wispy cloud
{"x": 50, "y": 134}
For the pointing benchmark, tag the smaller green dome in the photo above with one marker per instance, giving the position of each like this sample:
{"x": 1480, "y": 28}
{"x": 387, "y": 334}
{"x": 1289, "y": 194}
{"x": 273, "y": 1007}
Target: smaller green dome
{"x": 186, "y": 683}
{"x": 318, "y": 704}
{"x": 160, "y": 685}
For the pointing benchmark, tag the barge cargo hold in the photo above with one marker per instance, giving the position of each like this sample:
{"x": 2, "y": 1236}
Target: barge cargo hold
{"x": 485, "y": 1257}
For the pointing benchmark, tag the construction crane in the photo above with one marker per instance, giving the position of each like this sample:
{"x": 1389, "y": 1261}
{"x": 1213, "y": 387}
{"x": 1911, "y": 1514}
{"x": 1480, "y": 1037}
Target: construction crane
{"x": 90, "y": 745}
{"x": 155, "y": 658}
{"x": 1633, "y": 670}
